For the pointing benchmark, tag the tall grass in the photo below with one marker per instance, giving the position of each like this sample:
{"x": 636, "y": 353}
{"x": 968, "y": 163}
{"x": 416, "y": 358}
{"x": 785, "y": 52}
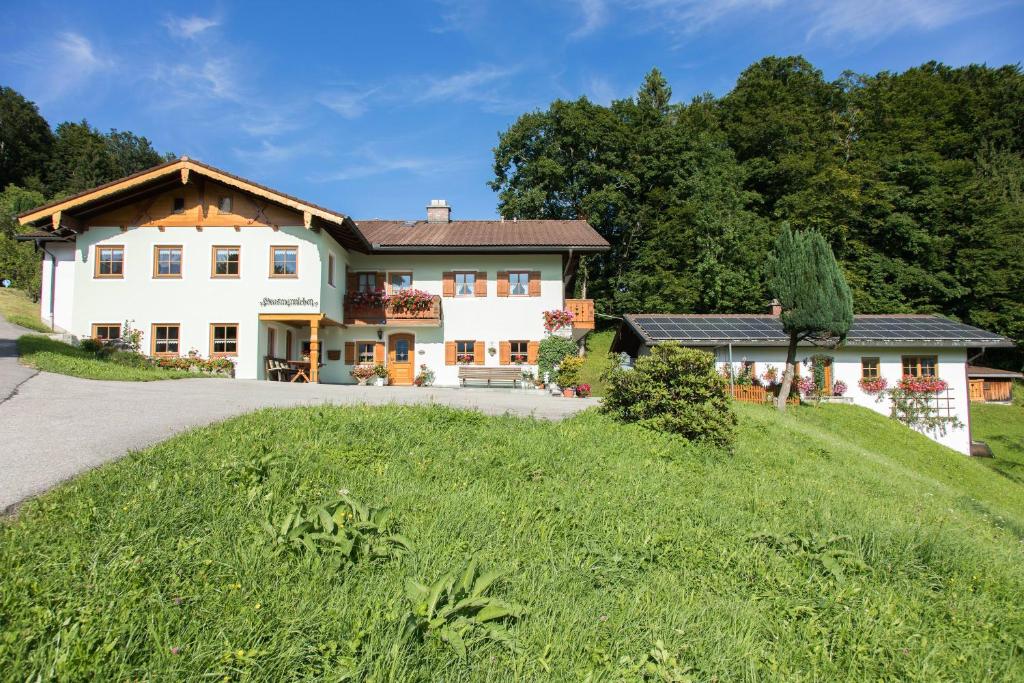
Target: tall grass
{"x": 612, "y": 538}
{"x": 1002, "y": 428}
{"x": 50, "y": 355}
{"x": 18, "y": 308}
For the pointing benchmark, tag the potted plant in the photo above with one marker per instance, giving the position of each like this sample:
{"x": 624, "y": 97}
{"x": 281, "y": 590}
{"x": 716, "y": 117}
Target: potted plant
{"x": 569, "y": 375}
{"x": 839, "y": 387}
{"x": 425, "y": 377}
{"x": 381, "y": 372}
{"x": 362, "y": 373}
{"x": 583, "y": 390}
{"x": 556, "y": 319}
{"x": 529, "y": 379}
{"x": 873, "y": 386}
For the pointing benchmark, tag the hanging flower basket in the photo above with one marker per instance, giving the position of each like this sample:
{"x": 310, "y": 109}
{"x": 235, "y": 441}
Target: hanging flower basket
{"x": 409, "y": 301}
{"x": 558, "y": 318}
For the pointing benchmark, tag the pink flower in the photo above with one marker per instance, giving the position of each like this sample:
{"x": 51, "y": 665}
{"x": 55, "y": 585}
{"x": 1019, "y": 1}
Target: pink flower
{"x": 175, "y": 650}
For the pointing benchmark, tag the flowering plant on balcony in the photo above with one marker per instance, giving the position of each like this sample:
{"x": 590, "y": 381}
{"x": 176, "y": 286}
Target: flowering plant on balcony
{"x": 839, "y": 387}
{"x": 922, "y": 385}
{"x": 409, "y": 301}
{"x": 873, "y": 386}
{"x": 518, "y": 358}
{"x": 374, "y": 297}
{"x": 464, "y": 358}
{"x": 556, "y": 319}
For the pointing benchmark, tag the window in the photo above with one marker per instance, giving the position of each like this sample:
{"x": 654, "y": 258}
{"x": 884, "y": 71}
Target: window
{"x": 400, "y": 281}
{"x": 179, "y": 205}
{"x": 226, "y": 261}
{"x": 519, "y": 351}
{"x": 366, "y": 282}
{"x": 519, "y": 284}
{"x": 223, "y": 340}
{"x": 364, "y": 352}
{"x": 920, "y": 366}
{"x": 271, "y": 341}
{"x": 465, "y": 285}
{"x": 402, "y": 351}
{"x": 465, "y": 351}
{"x": 284, "y": 262}
{"x": 106, "y": 331}
{"x": 869, "y": 368}
{"x": 109, "y": 262}
{"x": 167, "y": 261}
{"x": 330, "y": 269}
{"x": 165, "y": 339}
{"x": 224, "y": 205}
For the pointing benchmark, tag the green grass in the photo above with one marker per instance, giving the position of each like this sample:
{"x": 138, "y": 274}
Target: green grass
{"x": 1002, "y": 428}
{"x": 49, "y": 355}
{"x": 613, "y": 538}
{"x": 598, "y": 345}
{"x": 19, "y": 309}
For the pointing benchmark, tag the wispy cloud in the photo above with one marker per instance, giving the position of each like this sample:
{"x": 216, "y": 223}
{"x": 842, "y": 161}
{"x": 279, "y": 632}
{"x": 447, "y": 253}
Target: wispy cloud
{"x": 210, "y": 78}
{"x": 595, "y": 16}
{"x": 350, "y": 104}
{"x": 459, "y": 15}
{"x": 189, "y": 27}
{"x": 475, "y": 85}
{"x": 368, "y": 160}
{"x": 266, "y": 152}
{"x": 67, "y": 63}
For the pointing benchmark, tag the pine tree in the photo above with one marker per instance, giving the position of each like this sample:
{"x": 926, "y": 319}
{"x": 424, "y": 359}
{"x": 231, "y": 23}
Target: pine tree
{"x": 816, "y": 301}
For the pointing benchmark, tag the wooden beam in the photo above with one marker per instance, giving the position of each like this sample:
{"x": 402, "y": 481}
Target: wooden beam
{"x": 314, "y": 351}
{"x": 202, "y": 200}
{"x": 184, "y": 175}
{"x": 307, "y": 219}
{"x": 60, "y": 219}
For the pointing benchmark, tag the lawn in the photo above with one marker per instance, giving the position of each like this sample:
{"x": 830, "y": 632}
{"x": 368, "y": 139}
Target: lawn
{"x": 1002, "y": 428}
{"x": 50, "y": 355}
{"x": 597, "y": 363}
{"x": 832, "y": 544}
{"x": 18, "y": 308}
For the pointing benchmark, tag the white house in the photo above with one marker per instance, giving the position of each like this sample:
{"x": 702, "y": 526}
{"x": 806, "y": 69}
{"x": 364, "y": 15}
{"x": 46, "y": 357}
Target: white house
{"x": 206, "y": 262}
{"x": 877, "y": 346}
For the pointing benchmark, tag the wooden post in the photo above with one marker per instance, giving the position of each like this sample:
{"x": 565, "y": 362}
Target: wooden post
{"x": 314, "y": 351}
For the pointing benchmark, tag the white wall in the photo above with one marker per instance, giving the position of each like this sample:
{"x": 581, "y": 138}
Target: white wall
{"x": 196, "y": 300}
{"x": 846, "y": 366}
{"x": 56, "y": 303}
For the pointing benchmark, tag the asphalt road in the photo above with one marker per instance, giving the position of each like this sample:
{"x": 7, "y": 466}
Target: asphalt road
{"x": 53, "y": 427}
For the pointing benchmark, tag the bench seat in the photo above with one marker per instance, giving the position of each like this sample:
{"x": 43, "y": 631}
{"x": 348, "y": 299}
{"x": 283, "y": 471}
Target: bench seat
{"x": 476, "y": 373}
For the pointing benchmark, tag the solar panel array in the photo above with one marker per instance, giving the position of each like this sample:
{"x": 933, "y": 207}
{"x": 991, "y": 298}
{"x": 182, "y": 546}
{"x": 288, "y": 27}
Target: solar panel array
{"x": 878, "y": 329}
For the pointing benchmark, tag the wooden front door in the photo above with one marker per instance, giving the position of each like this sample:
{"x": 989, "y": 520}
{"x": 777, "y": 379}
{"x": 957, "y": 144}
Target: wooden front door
{"x": 828, "y": 377}
{"x": 401, "y": 358}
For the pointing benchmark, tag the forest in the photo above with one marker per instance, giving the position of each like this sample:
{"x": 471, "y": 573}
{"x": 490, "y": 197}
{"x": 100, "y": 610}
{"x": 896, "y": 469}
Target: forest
{"x": 914, "y": 178}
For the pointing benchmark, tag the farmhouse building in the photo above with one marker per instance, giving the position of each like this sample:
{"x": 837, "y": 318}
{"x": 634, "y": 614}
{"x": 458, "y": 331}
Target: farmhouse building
{"x": 879, "y": 349}
{"x": 202, "y": 261}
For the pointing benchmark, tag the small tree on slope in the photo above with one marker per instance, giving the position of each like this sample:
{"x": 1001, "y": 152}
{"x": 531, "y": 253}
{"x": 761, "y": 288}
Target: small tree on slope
{"x": 816, "y": 301}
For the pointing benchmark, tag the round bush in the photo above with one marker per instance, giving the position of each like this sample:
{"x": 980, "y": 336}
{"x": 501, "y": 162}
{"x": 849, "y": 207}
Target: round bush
{"x": 677, "y": 390}
{"x": 552, "y": 350}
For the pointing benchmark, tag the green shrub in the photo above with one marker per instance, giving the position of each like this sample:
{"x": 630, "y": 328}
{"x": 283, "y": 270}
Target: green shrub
{"x": 552, "y": 350}
{"x": 1018, "y": 393}
{"x": 674, "y": 389}
{"x": 90, "y": 345}
{"x": 569, "y": 371}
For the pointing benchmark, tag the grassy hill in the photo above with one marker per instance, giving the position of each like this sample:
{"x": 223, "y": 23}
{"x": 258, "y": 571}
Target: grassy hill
{"x": 18, "y": 308}
{"x": 832, "y": 544}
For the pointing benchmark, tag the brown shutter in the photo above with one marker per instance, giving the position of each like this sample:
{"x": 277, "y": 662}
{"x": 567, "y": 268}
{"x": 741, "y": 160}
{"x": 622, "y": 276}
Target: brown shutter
{"x": 505, "y": 352}
{"x": 350, "y": 353}
{"x": 351, "y": 282}
{"x": 502, "y": 283}
{"x": 380, "y": 281}
{"x": 534, "y": 283}
{"x": 378, "y": 352}
{"x": 478, "y": 353}
{"x": 532, "y": 349}
{"x": 480, "y": 288}
{"x": 449, "y": 353}
{"x": 448, "y": 284}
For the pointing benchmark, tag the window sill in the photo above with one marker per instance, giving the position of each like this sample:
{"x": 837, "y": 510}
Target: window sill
{"x": 284, "y": 277}
{"x": 108, "y": 277}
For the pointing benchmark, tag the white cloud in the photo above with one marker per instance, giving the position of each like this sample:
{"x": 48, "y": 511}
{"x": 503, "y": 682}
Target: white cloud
{"x": 269, "y": 153}
{"x": 459, "y": 15}
{"x": 368, "y": 161}
{"x": 349, "y": 104}
{"x": 595, "y": 15}
{"x": 600, "y": 90}
{"x": 199, "y": 82}
{"x": 475, "y": 85}
{"x": 189, "y": 27}
{"x": 68, "y": 63}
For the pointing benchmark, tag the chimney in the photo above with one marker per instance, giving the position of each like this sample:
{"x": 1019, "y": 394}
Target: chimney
{"x": 776, "y": 307}
{"x": 438, "y": 211}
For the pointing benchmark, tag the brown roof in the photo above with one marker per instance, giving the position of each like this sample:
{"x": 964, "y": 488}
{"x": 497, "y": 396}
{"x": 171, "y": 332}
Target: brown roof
{"x": 992, "y": 373}
{"x": 500, "y": 235}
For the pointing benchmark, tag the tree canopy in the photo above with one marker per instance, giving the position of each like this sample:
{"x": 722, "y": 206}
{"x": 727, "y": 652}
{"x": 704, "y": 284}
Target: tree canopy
{"x": 914, "y": 179}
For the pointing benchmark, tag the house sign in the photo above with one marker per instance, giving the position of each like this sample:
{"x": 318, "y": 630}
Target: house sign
{"x": 292, "y": 301}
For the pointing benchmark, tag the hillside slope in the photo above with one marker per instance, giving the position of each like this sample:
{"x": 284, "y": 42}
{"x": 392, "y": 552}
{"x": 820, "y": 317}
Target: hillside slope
{"x": 831, "y": 545}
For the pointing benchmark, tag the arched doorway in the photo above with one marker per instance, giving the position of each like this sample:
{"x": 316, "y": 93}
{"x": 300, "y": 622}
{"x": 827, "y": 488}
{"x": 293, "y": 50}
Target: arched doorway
{"x": 401, "y": 358}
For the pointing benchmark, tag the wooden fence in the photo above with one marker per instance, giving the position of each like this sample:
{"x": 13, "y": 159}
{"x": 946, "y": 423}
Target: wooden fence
{"x": 750, "y": 393}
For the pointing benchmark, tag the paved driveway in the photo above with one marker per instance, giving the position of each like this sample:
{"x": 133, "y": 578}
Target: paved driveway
{"x": 53, "y": 427}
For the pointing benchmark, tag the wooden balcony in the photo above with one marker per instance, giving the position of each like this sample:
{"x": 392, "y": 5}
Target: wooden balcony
{"x": 370, "y": 314}
{"x": 582, "y": 312}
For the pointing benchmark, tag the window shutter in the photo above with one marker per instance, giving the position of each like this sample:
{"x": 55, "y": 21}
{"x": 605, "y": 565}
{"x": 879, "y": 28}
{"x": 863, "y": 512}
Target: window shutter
{"x": 378, "y": 352}
{"x": 380, "y": 282}
{"x": 449, "y": 353}
{"x": 350, "y": 353}
{"x": 480, "y": 287}
{"x": 351, "y": 282}
{"x": 448, "y": 284}
{"x": 532, "y": 349}
{"x": 502, "y": 283}
{"x": 534, "y": 283}
{"x": 478, "y": 353}
{"x": 505, "y": 352}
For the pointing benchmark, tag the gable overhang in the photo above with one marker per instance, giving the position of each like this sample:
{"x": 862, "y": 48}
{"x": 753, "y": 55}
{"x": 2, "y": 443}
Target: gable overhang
{"x": 69, "y": 216}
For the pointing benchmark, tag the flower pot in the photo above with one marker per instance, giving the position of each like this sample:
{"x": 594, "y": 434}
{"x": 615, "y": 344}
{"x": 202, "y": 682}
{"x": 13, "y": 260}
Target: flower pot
{"x": 378, "y": 381}
{"x": 568, "y": 392}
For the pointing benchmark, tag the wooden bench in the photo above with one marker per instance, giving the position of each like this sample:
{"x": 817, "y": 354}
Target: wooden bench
{"x": 476, "y": 373}
{"x": 278, "y": 370}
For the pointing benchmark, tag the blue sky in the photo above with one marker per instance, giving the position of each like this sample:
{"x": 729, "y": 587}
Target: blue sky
{"x": 373, "y": 108}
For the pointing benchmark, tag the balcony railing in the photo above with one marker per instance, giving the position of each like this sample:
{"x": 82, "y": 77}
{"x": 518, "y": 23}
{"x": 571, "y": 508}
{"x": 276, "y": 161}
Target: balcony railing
{"x": 359, "y": 313}
{"x": 582, "y": 313}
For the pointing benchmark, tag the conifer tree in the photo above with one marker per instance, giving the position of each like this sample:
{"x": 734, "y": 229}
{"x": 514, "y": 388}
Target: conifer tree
{"x": 816, "y": 301}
